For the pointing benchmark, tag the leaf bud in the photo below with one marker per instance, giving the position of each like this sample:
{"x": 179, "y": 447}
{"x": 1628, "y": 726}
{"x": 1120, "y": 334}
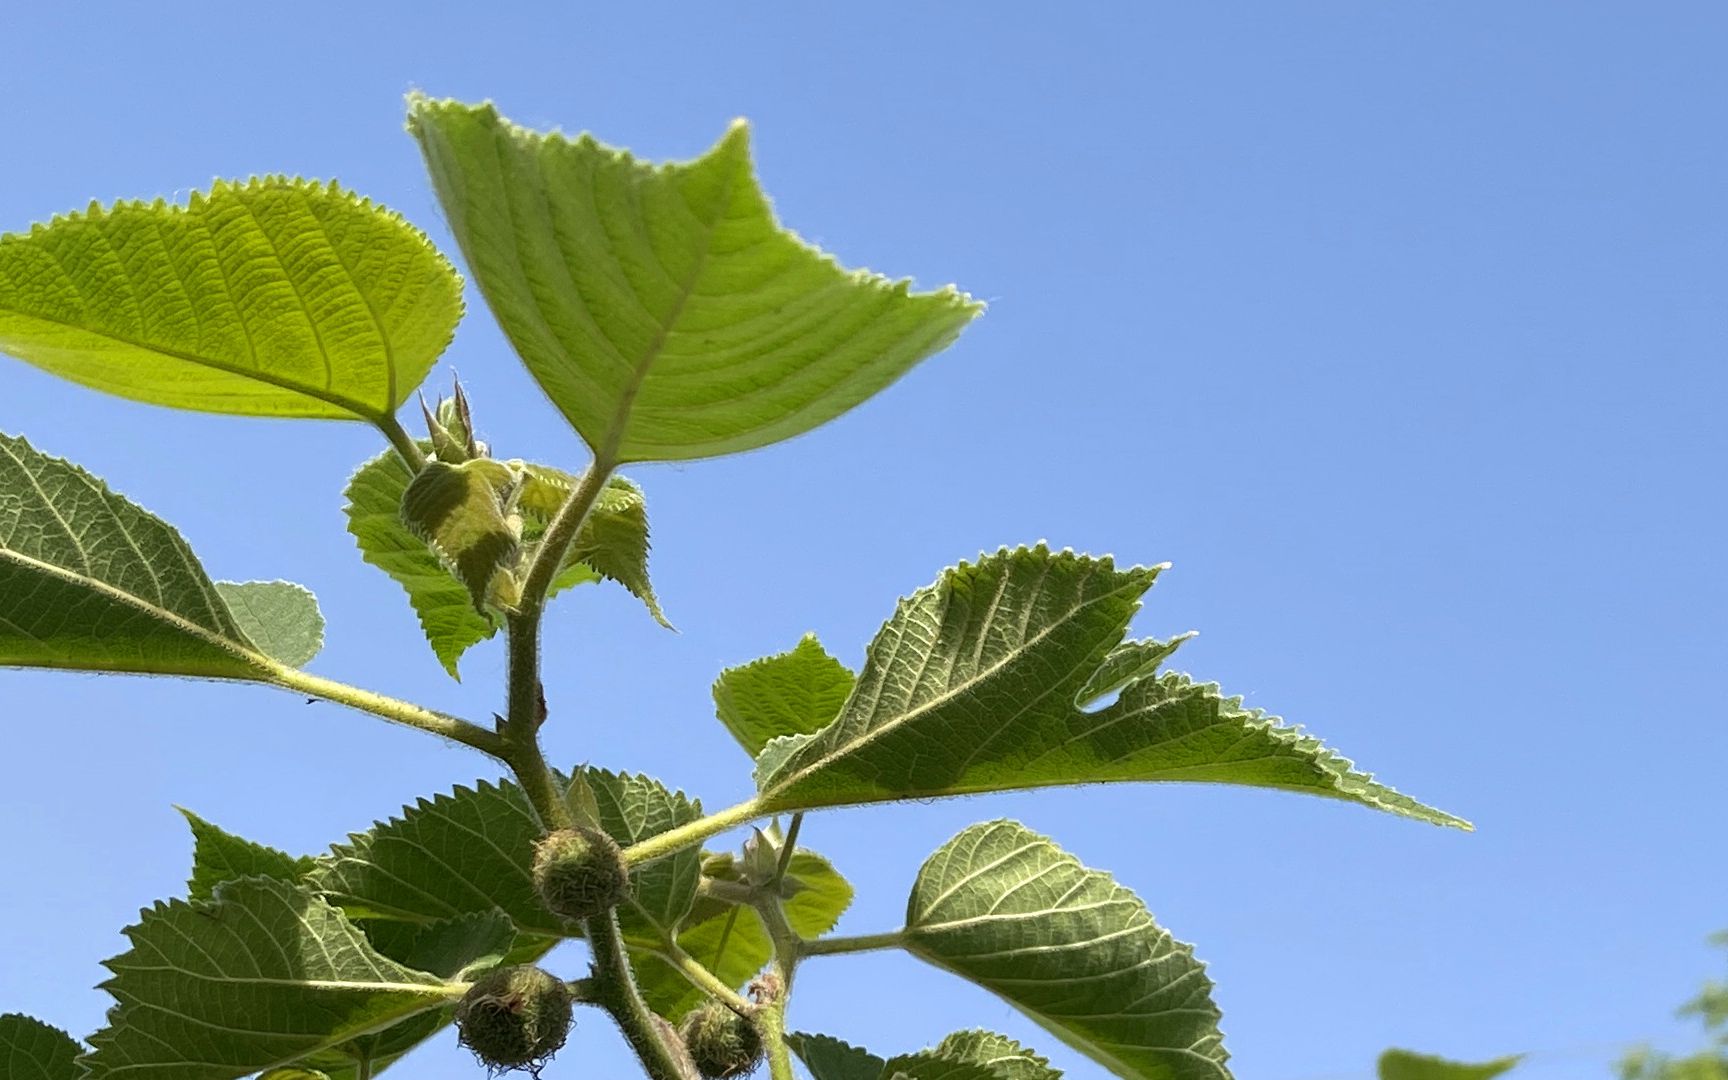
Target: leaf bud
{"x": 515, "y": 1017}
{"x": 723, "y": 1044}
{"x": 580, "y": 873}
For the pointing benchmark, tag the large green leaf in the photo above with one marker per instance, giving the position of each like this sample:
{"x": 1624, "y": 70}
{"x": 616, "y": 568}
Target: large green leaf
{"x": 272, "y": 298}
{"x": 1078, "y": 953}
{"x": 1406, "y": 1065}
{"x": 219, "y": 856}
{"x": 973, "y": 686}
{"x": 792, "y": 693}
{"x": 465, "y": 853}
{"x": 91, "y": 581}
{"x": 731, "y": 942}
{"x": 612, "y": 544}
{"x": 267, "y": 975}
{"x": 280, "y": 617}
{"x": 31, "y": 1050}
{"x": 662, "y": 308}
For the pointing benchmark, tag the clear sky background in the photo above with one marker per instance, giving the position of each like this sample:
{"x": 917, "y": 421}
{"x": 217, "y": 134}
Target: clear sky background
{"x": 1398, "y": 328}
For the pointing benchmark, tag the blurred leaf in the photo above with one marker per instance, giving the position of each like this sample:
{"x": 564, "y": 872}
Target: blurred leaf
{"x": 1405, "y": 1065}
{"x": 280, "y": 617}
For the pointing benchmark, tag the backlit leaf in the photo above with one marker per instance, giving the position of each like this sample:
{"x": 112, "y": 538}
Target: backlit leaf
{"x": 828, "y": 1058}
{"x": 219, "y": 856}
{"x": 971, "y": 687}
{"x": 792, "y": 693}
{"x": 275, "y": 297}
{"x": 280, "y": 617}
{"x": 662, "y": 308}
{"x": 1009, "y": 910}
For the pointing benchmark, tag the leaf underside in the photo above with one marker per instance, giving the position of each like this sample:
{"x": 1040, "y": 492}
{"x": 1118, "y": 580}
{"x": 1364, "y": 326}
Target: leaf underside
{"x": 964, "y": 1055}
{"x": 31, "y": 1050}
{"x": 1007, "y": 909}
{"x": 266, "y": 975}
{"x": 978, "y": 683}
{"x": 275, "y": 297}
{"x": 280, "y": 617}
{"x": 91, "y": 581}
{"x": 219, "y": 856}
{"x": 662, "y": 308}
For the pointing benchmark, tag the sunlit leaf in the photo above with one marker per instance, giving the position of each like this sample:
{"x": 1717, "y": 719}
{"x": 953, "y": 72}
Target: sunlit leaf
{"x": 662, "y": 308}
{"x": 1406, "y": 1065}
{"x": 792, "y": 693}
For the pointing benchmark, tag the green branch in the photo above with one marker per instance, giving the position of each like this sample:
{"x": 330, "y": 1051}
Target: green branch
{"x": 855, "y": 943}
{"x": 673, "y": 841}
{"x": 402, "y": 441}
{"x": 392, "y": 709}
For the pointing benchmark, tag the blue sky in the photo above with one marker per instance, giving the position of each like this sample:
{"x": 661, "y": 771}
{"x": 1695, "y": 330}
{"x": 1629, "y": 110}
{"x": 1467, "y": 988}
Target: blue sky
{"x": 1399, "y": 329}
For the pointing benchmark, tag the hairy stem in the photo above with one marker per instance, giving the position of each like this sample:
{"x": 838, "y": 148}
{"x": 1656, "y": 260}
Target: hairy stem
{"x": 855, "y": 943}
{"x": 393, "y": 709}
{"x": 615, "y": 991}
{"x": 772, "y": 1017}
{"x": 402, "y": 441}
{"x": 703, "y": 979}
{"x": 673, "y": 841}
{"x": 526, "y": 706}
{"x": 560, "y": 534}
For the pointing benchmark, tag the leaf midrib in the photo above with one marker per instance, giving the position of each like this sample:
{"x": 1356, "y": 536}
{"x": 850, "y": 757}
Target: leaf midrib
{"x": 178, "y": 622}
{"x": 780, "y": 786}
{"x": 360, "y": 411}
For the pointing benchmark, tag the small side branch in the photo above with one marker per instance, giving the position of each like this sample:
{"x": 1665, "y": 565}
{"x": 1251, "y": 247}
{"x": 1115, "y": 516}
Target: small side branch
{"x": 856, "y": 943}
{"x": 392, "y": 709}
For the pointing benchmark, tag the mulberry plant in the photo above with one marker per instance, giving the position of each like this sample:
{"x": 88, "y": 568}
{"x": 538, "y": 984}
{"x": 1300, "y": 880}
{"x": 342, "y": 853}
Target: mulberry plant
{"x": 669, "y": 317}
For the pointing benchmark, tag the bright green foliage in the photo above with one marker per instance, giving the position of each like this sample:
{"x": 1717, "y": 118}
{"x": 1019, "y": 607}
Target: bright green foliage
{"x": 613, "y": 544}
{"x": 460, "y": 513}
{"x": 972, "y": 685}
{"x": 89, "y": 580}
{"x": 31, "y": 1050}
{"x": 219, "y": 856}
{"x": 1710, "y": 1063}
{"x": 280, "y": 617}
{"x": 662, "y": 308}
{"x": 731, "y": 942}
{"x": 964, "y": 1055}
{"x": 272, "y": 298}
{"x": 267, "y": 975}
{"x": 1407, "y": 1065}
{"x": 792, "y": 693}
{"x": 1126, "y": 663}
{"x": 1009, "y": 910}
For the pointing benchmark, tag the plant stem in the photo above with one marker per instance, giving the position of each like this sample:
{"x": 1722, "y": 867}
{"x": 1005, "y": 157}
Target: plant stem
{"x": 393, "y": 709}
{"x": 703, "y": 979}
{"x": 673, "y": 841}
{"x": 402, "y": 441}
{"x": 521, "y": 728}
{"x": 363, "y": 1069}
{"x": 772, "y": 1016}
{"x": 615, "y": 991}
{"x": 787, "y": 847}
{"x": 834, "y": 946}
{"x": 559, "y": 535}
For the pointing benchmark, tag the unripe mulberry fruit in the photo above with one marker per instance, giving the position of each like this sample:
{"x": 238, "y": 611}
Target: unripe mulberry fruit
{"x": 580, "y": 873}
{"x": 723, "y": 1044}
{"x": 515, "y": 1018}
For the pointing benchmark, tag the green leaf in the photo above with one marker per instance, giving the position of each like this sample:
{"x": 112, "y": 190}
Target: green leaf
{"x": 730, "y": 941}
{"x": 219, "y": 856}
{"x": 971, "y": 687}
{"x": 793, "y": 693}
{"x": 465, "y": 853}
{"x": 1009, "y": 910}
{"x": 91, "y": 581}
{"x": 459, "y": 511}
{"x": 1405, "y": 1065}
{"x": 272, "y": 298}
{"x": 615, "y": 537}
{"x": 280, "y": 617}
{"x": 662, "y": 308}
{"x": 31, "y": 1050}
{"x": 1127, "y": 662}
{"x": 828, "y": 1058}
{"x": 265, "y": 976}
{"x": 1006, "y": 1059}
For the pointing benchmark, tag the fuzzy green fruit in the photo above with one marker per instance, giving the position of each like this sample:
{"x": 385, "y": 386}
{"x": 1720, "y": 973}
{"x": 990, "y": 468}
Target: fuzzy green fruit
{"x": 580, "y": 873}
{"x": 515, "y": 1018}
{"x": 723, "y": 1044}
